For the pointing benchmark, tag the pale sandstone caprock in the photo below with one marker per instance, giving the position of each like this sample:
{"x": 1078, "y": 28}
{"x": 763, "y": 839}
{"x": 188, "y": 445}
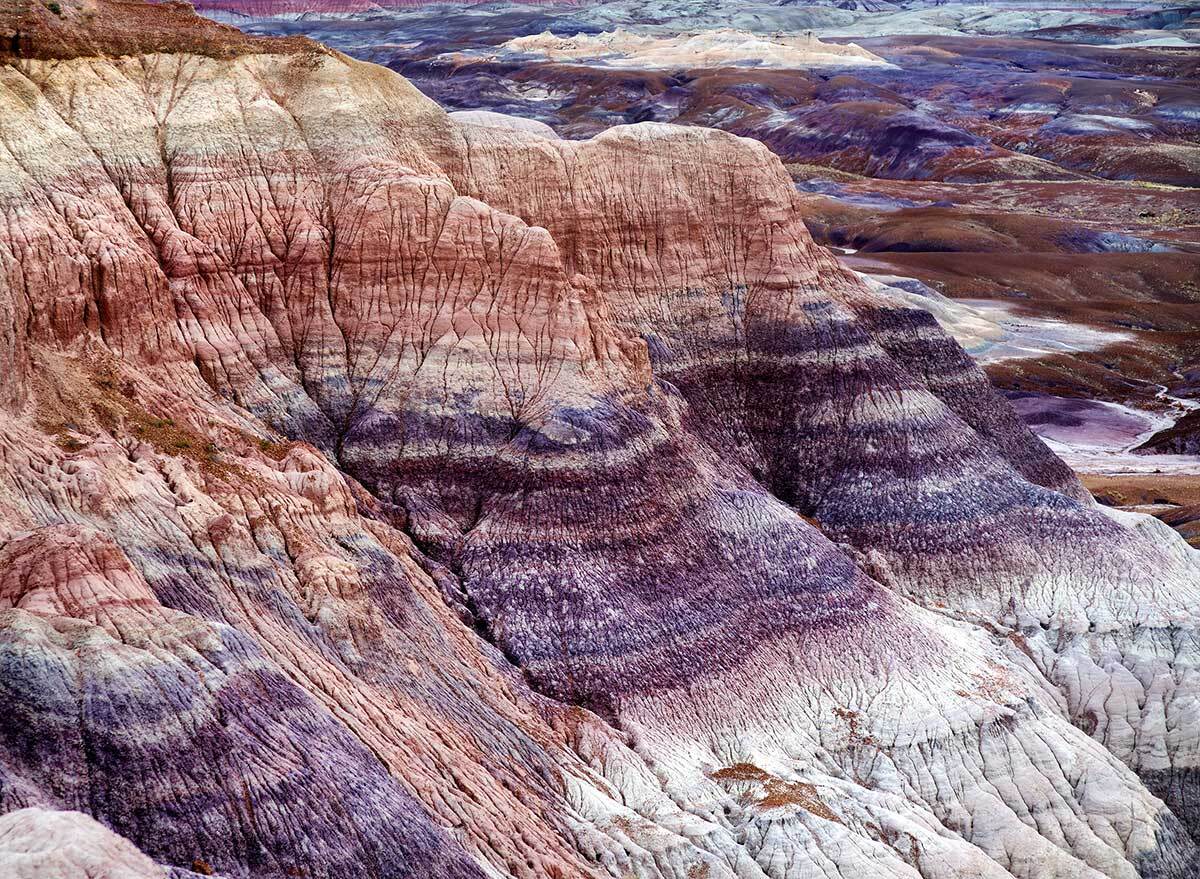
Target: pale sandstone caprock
{"x": 388, "y": 493}
{"x": 715, "y": 48}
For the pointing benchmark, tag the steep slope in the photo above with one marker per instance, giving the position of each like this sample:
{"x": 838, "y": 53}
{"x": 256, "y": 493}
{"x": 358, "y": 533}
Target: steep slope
{"x": 390, "y": 493}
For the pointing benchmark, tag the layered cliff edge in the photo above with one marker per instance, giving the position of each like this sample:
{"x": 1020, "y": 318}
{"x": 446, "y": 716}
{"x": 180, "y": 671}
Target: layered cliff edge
{"x": 392, "y": 493}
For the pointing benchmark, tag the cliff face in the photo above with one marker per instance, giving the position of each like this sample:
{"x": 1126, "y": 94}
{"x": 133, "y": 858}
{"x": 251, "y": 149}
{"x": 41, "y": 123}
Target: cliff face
{"x": 392, "y": 493}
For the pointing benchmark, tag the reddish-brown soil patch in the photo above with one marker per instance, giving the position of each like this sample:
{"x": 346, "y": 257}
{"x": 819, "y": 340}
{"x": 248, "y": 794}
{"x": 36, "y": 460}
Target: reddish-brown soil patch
{"x": 1173, "y": 498}
{"x": 30, "y": 29}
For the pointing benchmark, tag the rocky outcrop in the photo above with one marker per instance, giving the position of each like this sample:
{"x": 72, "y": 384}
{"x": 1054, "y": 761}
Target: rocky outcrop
{"x": 80, "y": 28}
{"x": 716, "y": 48}
{"x": 391, "y": 493}
{"x": 1181, "y": 438}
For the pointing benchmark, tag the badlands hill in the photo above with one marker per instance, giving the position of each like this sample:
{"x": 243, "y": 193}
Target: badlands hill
{"x": 392, "y": 493}
{"x": 719, "y": 48}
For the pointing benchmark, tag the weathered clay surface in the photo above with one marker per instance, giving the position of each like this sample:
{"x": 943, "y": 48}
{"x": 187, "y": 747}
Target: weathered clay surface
{"x": 391, "y": 493}
{"x": 36, "y": 844}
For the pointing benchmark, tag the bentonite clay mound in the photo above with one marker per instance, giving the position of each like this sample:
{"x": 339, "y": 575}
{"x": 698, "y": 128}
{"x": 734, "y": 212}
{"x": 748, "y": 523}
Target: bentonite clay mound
{"x": 387, "y": 493}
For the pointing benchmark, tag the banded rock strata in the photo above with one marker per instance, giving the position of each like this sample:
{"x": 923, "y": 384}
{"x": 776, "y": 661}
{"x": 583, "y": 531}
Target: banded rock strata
{"x": 386, "y": 492}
